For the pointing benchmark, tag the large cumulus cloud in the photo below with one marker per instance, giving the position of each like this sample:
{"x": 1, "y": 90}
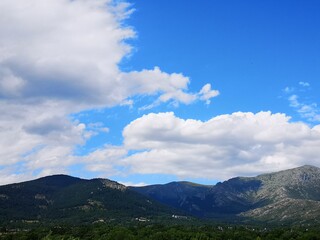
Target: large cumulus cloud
{"x": 59, "y": 57}
{"x": 69, "y": 51}
{"x": 222, "y": 147}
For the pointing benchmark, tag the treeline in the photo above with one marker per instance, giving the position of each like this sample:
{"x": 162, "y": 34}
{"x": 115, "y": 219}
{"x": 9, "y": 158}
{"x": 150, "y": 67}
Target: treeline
{"x": 160, "y": 232}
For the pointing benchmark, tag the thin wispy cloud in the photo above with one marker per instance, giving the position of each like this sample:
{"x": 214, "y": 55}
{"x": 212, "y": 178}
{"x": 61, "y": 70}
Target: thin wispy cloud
{"x": 306, "y": 110}
{"x": 304, "y": 84}
{"x": 311, "y": 112}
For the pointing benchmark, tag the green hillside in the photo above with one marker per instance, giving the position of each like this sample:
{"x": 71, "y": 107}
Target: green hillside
{"x": 72, "y": 200}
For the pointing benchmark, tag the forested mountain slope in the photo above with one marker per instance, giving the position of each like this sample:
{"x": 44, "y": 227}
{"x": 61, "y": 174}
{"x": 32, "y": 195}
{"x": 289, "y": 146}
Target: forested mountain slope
{"x": 291, "y": 196}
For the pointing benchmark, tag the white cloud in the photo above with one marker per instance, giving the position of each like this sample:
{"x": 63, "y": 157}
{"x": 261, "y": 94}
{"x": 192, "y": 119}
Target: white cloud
{"x": 132, "y": 184}
{"x": 288, "y": 90}
{"x": 9, "y": 176}
{"x": 59, "y": 57}
{"x": 25, "y": 130}
{"x": 206, "y": 93}
{"x": 69, "y": 51}
{"x": 225, "y": 146}
{"x": 306, "y": 109}
{"x": 304, "y": 84}
{"x": 104, "y": 160}
{"x": 150, "y": 82}
{"x": 98, "y": 127}
{"x": 62, "y": 50}
{"x": 309, "y": 111}
{"x": 293, "y": 100}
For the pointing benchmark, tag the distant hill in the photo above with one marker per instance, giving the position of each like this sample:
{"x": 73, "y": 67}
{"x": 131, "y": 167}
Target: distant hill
{"x": 290, "y": 196}
{"x": 181, "y": 195}
{"x": 73, "y": 200}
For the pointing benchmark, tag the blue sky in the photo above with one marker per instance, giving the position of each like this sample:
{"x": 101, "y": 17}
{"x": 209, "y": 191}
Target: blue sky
{"x": 252, "y": 47}
{"x": 155, "y": 91}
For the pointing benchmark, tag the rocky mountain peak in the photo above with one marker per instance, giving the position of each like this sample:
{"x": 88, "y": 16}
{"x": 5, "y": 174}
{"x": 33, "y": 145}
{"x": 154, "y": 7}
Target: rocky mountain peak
{"x": 112, "y": 184}
{"x": 301, "y": 175}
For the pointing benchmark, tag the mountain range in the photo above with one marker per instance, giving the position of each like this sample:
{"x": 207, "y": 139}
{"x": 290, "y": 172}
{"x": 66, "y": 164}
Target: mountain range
{"x": 291, "y": 196}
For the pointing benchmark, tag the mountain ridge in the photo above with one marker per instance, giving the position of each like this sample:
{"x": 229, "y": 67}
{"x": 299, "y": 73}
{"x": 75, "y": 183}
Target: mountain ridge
{"x": 291, "y": 195}
{"x": 288, "y": 196}
{"x": 62, "y": 198}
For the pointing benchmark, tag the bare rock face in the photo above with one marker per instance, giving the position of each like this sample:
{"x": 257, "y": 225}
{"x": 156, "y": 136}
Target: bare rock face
{"x": 293, "y": 195}
{"x": 287, "y": 210}
{"x": 112, "y": 184}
